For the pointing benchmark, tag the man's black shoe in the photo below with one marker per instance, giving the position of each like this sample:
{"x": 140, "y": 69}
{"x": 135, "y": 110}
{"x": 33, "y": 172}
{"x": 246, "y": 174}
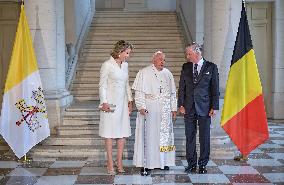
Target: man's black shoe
{"x": 190, "y": 169}
{"x": 202, "y": 170}
{"x": 145, "y": 172}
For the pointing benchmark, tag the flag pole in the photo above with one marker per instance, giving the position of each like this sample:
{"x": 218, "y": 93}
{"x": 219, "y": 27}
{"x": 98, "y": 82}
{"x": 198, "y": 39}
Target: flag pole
{"x": 240, "y": 157}
{"x": 26, "y": 160}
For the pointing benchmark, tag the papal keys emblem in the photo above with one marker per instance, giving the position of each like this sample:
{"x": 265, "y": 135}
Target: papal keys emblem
{"x": 32, "y": 113}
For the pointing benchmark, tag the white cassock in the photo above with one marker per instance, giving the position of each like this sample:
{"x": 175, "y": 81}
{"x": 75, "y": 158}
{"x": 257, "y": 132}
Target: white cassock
{"x": 155, "y": 91}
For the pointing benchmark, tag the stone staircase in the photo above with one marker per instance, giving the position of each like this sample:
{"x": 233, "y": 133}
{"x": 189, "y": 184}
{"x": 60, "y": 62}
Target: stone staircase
{"x": 148, "y": 32}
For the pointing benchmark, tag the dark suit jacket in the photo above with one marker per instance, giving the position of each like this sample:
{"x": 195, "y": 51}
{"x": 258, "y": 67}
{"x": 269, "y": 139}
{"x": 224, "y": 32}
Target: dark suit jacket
{"x": 205, "y": 93}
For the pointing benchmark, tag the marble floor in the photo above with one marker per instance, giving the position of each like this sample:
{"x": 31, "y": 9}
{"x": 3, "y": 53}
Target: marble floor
{"x": 265, "y": 166}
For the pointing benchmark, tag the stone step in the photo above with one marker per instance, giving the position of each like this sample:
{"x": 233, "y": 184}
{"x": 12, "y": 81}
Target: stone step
{"x": 135, "y": 42}
{"x": 85, "y": 91}
{"x": 80, "y": 132}
{"x": 132, "y": 34}
{"x": 129, "y": 12}
{"x": 136, "y": 19}
{"x": 133, "y": 15}
{"x": 135, "y": 38}
{"x": 81, "y": 73}
{"x": 88, "y": 85}
{"x": 125, "y": 29}
{"x": 135, "y": 59}
{"x": 91, "y": 120}
{"x": 82, "y": 151}
{"x": 94, "y": 140}
{"x": 131, "y": 63}
{"x": 137, "y": 51}
{"x": 86, "y": 97}
{"x": 131, "y": 67}
{"x": 146, "y": 33}
{"x": 130, "y": 22}
{"x": 179, "y": 124}
{"x": 81, "y": 84}
{"x": 137, "y": 46}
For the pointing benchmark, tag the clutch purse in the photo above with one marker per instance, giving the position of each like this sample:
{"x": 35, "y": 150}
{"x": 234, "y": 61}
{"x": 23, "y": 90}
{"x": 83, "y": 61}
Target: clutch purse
{"x": 111, "y": 106}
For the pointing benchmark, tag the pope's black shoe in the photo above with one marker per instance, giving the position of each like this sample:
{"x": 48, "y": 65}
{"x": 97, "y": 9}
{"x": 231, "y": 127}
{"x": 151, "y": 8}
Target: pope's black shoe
{"x": 202, "y": 170}
{"x": 190, "y": 169}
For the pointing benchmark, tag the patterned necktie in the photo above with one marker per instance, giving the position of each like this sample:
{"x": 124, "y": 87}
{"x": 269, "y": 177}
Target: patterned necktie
{"x": 195, "y": 73}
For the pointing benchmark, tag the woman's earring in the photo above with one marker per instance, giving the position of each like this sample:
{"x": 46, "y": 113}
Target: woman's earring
{"x": 118, "y": 56}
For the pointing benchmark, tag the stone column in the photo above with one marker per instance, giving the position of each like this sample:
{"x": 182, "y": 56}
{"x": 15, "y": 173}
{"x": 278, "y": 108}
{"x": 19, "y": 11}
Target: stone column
{"x": 221, "y": 24}
{"x": 278, "y": 69}
{"x": 46, "y": 21}
{"x": 221, "y": 19}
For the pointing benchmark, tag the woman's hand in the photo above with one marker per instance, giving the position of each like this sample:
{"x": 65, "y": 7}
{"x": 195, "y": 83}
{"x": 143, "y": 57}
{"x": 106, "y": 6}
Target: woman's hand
{"x": 105, "y": 107}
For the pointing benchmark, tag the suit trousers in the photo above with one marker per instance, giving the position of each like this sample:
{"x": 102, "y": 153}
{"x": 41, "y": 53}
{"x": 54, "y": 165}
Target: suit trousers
{"x": 204, "y": 122}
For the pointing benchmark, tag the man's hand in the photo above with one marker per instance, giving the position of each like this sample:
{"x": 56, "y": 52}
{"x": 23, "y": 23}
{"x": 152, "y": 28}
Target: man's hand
{"x": 182, "y": 110}
{"x": 143, "y": 111}
{"x": 212, "y": 113}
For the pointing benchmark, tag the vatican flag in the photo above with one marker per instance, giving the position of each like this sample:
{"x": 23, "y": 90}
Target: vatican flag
{"x": 23, "y": 121}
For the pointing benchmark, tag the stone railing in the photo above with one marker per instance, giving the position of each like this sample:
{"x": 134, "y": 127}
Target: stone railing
{"x": 72, "y": 52}
{"x": 185, "y": 28}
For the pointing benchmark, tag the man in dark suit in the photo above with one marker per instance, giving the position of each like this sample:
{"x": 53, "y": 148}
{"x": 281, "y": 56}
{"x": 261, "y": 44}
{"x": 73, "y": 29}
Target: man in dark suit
{"x": 198, "y": 99}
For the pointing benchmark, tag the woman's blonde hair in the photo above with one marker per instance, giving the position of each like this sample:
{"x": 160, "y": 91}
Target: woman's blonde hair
{"x": 119, "y": 47}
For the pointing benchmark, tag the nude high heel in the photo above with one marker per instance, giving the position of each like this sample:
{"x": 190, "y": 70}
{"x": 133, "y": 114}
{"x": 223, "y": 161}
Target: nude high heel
{"x": 120, "y": 169}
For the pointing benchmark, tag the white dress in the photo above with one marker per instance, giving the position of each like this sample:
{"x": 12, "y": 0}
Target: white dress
{"x": 114, "y": 89}
{"x": 154, "y": 91}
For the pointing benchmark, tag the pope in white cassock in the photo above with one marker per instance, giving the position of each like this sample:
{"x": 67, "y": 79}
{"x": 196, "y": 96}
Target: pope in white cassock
{"x": 155, "y": 98}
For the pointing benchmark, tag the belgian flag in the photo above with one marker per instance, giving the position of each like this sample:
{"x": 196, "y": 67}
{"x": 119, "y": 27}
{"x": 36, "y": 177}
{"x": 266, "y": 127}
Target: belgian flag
{"x": 244, "y": 117}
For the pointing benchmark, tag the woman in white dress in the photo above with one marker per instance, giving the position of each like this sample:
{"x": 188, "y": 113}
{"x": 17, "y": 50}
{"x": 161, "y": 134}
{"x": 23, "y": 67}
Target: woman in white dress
{"x": 115, "y": 102}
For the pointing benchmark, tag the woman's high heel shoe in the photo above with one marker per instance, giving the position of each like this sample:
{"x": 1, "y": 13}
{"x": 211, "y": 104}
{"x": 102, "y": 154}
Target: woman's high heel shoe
{"x": 120, "y": 169}
{"x": 111, "y": 171}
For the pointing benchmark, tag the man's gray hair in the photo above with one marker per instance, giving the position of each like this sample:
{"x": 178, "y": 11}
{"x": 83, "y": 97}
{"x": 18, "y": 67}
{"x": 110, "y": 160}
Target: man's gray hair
{"x": 197, "y": 48}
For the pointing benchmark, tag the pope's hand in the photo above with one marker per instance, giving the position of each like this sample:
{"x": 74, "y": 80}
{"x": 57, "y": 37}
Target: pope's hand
{"x": 143, "y": 111}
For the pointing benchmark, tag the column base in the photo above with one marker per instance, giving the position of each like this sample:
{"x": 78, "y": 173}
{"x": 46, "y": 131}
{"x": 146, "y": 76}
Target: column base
{"x": 56, "y": 102}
